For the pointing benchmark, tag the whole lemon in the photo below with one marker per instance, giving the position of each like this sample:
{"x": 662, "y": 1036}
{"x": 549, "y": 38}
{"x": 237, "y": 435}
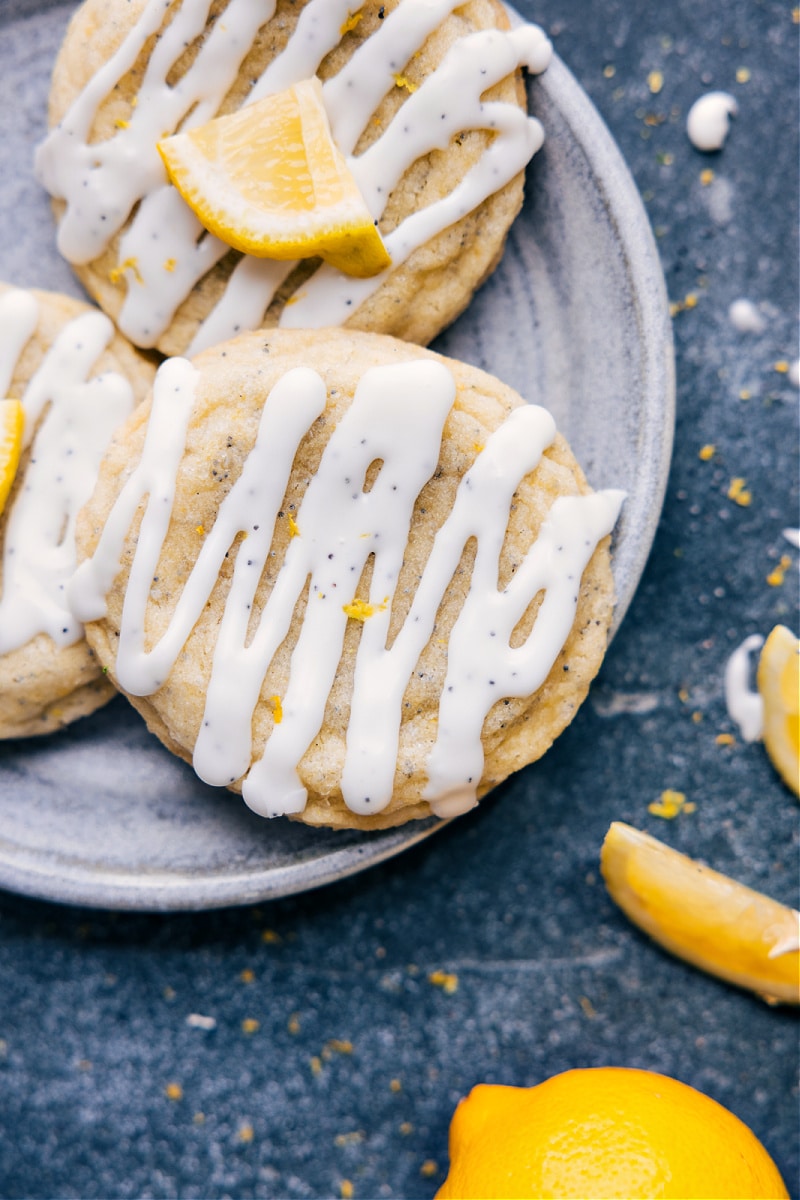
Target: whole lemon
{"x": 600, "y": 1132}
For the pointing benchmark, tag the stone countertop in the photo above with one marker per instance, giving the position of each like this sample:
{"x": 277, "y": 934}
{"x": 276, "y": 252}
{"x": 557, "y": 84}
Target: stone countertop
{"x": 308, "y": 1045}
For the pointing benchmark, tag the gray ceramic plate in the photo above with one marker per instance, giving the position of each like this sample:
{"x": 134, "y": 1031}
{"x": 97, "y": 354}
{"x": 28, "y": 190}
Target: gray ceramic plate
{"x": 574, "y": 318}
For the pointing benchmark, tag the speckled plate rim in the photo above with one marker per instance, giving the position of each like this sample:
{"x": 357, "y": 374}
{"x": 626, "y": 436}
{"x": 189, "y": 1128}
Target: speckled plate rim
{"x": 163, "y": 891}
{"x": 648, "y": 295}
{"x": 67, "y": 880}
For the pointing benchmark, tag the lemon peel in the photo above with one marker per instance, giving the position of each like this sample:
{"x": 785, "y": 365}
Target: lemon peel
{"x": 778, "y": 682}
{"x": 708, "y": 919}
{"x": 12, "y": 423}
{"x": 269, "y": 180}
{"x": 603, "y": 1131}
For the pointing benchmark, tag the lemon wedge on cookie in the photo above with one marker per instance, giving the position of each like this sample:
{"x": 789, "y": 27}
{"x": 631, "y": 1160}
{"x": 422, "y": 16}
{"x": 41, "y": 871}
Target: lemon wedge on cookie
{"x": 270, "y": 181}
{"x": 12, "y": 420}
{"x": 702, "y": 916}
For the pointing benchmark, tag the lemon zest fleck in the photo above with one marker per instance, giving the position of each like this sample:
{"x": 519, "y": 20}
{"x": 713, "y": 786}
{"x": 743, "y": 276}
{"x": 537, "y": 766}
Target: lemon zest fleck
{"x": 350, "y": 24}
{"x": 277, "y": 709}
{"x": 782, "y": 367}
{"x": 778, "y": 573}
{"x": 706, "y": 452}
{"x": 446, "y": 980}
{"x": 128, "y": 264}
{"x": 402, "y": 81}
{"x": 670, "y": 804}
{"x": 678, "y": 306}
{"x": 362, "y": 610}
{"x": 121, "y": 124}
{"x": 294, "y": 530}
{"x": 739, "y": 493}
{"x": 706, "y": 177}
{"x": 351, "y": 1138}
{"x": 725, "y": 739}
{"x": 170, "y": 264}
{"x": 336, "y": 1046}
{"x": 173, "y": 1091}
{"x": 250, "y": 1025}
{"x": 655, "y": 81}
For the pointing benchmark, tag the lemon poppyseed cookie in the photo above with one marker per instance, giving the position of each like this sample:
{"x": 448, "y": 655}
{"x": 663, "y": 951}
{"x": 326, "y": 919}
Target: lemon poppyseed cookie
{"x": 76, "y": 379}
{"x": 426, "y": 106}
{"x": 348, "y": 577}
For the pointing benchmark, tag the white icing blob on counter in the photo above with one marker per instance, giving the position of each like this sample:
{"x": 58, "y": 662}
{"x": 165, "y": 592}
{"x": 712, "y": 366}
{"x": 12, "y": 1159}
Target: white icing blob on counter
{"x": 708, "y": 121}
{"x": 102, "y": 183}
{"x": 69, "y": 417}
{"x": 746, "y": 317}
{"x": 744, "y": 704}
{"x": 395, "y": 420}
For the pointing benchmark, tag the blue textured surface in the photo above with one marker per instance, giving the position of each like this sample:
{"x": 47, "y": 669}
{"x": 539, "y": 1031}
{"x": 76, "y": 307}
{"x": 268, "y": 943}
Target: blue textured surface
{"x": 94, "y": 1007}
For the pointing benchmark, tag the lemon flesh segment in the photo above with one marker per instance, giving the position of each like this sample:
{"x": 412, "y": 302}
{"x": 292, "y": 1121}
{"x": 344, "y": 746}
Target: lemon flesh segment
{"x": 702, "y": 916}
{"x": 270, "y": 181}
{"x": 12, "y": 421}
{"x": 778, "y": 681}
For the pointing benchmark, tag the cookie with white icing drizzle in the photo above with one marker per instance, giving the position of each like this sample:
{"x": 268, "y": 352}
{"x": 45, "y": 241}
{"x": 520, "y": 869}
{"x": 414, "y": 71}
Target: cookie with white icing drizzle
{"x": 426, "y": 101}
{"x": 355, "y": 580}
{"x": 77, "y": 380}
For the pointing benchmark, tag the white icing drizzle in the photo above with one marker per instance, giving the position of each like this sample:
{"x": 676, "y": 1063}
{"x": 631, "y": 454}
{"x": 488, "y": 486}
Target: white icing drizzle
{"x": 70, "y": 417}
{"x": 427, "y": 121}
{"x": 164, "y": 252}
{"x": 102, "y": 182}
{"x": 744, "y": 704}
{"x": 19, "y": 316}
{"x": 395, "y": 420}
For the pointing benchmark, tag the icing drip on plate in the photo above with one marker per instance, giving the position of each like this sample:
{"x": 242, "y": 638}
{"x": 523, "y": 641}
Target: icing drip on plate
{"x": 69, "y": 419}
{"x": 393, "y": 429}
{"x": 164, "y": 251}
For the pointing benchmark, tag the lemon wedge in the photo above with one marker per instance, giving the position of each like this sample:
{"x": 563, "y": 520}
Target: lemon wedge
{"x": 270, "y": 181}
{"x": 704, "y": 917}
{"x": 12, "y": 420}
{"x": 778, "y": 681}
